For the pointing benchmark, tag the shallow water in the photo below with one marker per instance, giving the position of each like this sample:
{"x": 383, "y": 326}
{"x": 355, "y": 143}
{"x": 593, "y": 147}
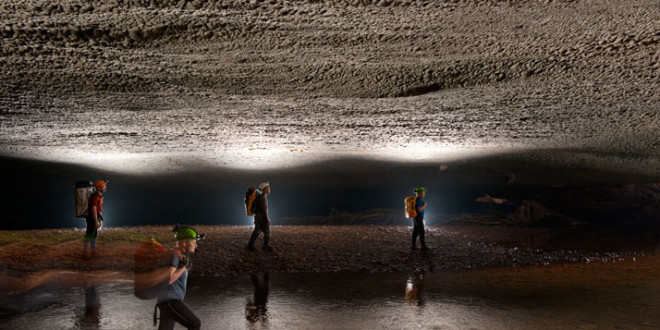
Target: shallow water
{"x": 348, "y": 301}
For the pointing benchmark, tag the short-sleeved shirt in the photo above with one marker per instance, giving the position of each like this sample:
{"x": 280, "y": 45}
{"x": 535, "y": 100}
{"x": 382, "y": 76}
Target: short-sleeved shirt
{"x": 419, "y": 203}
{"x": 176, "y": 290}
{"x": 95, "y": 200}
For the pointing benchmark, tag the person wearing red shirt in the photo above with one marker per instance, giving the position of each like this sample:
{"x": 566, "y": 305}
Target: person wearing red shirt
{"x": 94, "y": 217}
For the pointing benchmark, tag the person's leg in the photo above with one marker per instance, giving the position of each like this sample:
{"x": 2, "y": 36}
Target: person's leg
{"x": 253, "y": 237}
{"x": 421, "y": 233}
{"x": 89, "y": 236}
{"x": 95, "y": 233}
{"x": 415, "y": 233}
{"x": 166, "y": 320}
{"x": 266, "y": 230}
{"x": 183, "y": 315}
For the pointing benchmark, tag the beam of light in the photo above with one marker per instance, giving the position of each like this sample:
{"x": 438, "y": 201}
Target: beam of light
{"x": 113, "y": 161}
{"x": 254, "y": 157}
{"x": 247, "y": 158}
{"x": 431, "y": 151}
{"x": 269, "y": 157}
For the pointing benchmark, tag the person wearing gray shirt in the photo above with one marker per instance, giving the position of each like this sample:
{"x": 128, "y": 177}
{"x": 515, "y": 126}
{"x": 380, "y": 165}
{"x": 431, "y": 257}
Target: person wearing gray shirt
{"x": 170, "y": 299}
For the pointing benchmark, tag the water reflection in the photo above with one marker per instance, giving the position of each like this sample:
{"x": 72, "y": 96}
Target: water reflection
{"x": 256, "y": 311}
{"x": 415, "y": 287}
{"x": 91, "y": 318}
{"x": 462, "y": 300}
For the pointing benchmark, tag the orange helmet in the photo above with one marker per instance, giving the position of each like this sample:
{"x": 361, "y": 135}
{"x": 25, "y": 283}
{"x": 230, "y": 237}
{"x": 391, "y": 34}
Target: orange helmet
{"x": 100, "y": 183}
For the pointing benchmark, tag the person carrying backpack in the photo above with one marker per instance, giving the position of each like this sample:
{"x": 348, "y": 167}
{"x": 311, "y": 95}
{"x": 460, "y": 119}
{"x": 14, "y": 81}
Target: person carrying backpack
{"x": 170, "y": 299}
{"x": 261, "y": 220}
{"x": 94, "y": 218}
{"x": 418, "y": 221}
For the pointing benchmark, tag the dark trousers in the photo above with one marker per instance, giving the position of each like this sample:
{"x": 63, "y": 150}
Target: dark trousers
{"x": 176, "y": 311}
{"x": 258, "y": 229}
{"x": 91, "y": 232}
{"x": 90, "y": 235}
{"x": 418, "y": 230}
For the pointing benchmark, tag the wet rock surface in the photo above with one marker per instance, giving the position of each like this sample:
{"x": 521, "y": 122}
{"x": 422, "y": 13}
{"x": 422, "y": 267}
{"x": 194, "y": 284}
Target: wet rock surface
{"x": 323, "y": 249}
{"x": 205, "y": 76}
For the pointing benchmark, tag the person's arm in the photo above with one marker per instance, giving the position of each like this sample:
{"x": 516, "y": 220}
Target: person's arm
{"x": 94, "y": 209}
{"x": 263, "y": 206}
{"x": 175, "y": 273}
{"x": 177, "y": 267}
{"x": 94, "y": 213}
{"x": 420, "y": 208}
{"x": 266, "y": 211}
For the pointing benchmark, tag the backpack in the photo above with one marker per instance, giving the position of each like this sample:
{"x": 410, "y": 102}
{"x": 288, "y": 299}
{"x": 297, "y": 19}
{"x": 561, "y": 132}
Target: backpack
{"x": 250, "y": 197}
{"x": 150, "y": 275}
{"x": 82, "y": 190}
{"x": 410, "y": 209}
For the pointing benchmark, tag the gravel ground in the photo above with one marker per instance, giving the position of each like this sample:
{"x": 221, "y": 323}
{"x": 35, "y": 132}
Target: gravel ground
{"x": 323, "y": 249}
{"x": 234, "y": 82}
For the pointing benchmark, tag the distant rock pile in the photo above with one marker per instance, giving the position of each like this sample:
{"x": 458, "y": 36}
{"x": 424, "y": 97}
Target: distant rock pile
{"x": 632, "y": 209}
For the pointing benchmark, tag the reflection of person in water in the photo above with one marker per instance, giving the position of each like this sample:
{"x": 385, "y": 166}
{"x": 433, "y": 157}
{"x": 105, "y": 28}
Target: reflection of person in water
{"x": 92, "y": 316}
{"x": 255, "y": 309}
{"x": 415, "y": 287}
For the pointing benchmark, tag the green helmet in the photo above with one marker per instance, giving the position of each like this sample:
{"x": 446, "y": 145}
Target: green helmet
{"x": 419, "y": 189}
{"x": 186, "y": 233}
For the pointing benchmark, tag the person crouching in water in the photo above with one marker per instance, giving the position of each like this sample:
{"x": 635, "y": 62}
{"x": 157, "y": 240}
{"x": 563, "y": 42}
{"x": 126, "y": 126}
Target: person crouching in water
{"x": 170, "y": 300}
{"x": 94, "y": 217}
{"x": 261, "y": 220}
{"x": 418, "y": 227}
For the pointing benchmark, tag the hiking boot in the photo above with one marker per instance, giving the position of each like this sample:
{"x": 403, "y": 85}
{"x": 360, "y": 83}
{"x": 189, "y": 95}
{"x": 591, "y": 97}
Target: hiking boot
{"x": 268, "y": 249}
{"x": 250, "y": 248}
{"x": 414, "y": 247}
{"x": 425, "y": 248}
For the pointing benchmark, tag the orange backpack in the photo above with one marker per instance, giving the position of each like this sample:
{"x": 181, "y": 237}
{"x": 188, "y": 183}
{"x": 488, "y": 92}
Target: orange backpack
{"x": 150, "y": 274}
{"x": 411, "y": 210}
{"x": 250, "y": 197}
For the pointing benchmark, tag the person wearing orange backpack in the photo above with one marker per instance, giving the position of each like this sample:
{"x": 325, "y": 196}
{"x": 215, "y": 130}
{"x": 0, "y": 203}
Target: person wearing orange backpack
{"x": 94, "y": 218}
{"x": 418, "y": 221}
{"x": 261, "y": 219}
{"x": 170, "y": 299}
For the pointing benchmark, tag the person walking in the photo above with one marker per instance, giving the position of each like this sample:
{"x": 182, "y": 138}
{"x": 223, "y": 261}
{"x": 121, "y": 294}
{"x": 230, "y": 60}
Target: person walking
{"x": 261, "y": 220}
{"x": 94, "y": 218}
{"x": 170, "y": 299}
{"x": 418, "y": 221}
